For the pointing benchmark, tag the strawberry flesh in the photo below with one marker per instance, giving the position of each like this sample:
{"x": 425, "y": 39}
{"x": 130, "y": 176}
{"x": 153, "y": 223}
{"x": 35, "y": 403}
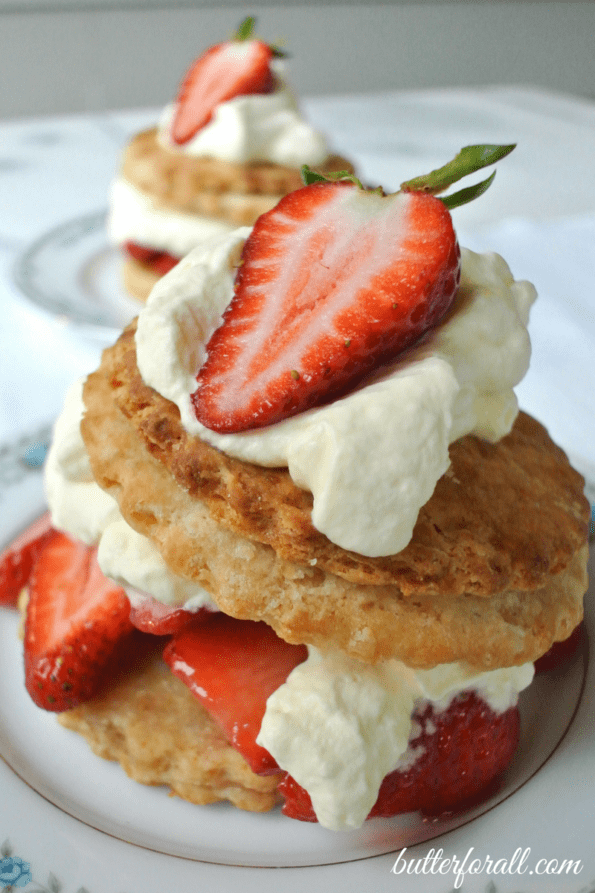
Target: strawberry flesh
{"x": 232, "y": 666}
{"x": 152, "y": 616}
{"x": 159, "y": 261}
{"x": 226, "y": 70}
{"x": 560, "y": 652}
{"x": 76, "y": 619}
{"x": 334, "y": 282}
{"x": 463, "y": 751}
{"x": 17, "y": 561}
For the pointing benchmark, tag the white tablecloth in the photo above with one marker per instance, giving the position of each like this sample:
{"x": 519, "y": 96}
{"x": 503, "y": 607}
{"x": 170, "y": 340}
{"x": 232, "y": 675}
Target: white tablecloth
{"x": 539, "y": 213}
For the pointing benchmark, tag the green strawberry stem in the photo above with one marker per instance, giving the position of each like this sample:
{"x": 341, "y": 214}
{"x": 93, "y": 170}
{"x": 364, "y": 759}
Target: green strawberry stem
{"x": 469, "y": 160}
{"x": 309, "y": 176}
{"x": 245, "y": 31}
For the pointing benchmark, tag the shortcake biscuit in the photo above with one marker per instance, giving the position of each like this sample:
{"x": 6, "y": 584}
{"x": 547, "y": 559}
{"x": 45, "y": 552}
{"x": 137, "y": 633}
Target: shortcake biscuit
{"x": 210, "y": 185}
{"x": 149, "y": 722}
{"x": 494, "y": 574}
{"x": 231, "y": 193}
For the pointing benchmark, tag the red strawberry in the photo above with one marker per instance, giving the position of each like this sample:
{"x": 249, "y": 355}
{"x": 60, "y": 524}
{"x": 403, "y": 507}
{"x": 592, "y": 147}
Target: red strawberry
{"x": 234, "y": 68}
{"x": 463, "y": 750}
{"x": 334, "y": 282}
{"x": 232, "y": 666}
{"x": 159, "y": 261}
{"x": 16, "y": 561}
{"x": 560, "y": 652}
{"x": 152, "y": 616}
{"x": 76, "y": 618}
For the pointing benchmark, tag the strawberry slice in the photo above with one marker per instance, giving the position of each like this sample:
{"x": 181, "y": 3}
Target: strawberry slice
{"x": 16, "y": 561}
{"x": 159, "y": 261}
{"x": 152, "y": 616}
{"x": 560, "y": 652}
{"x": 236, "y": 67}
{"x": 463, "y": 750}
{"x": 232, "y": 666}
{"x": 334, "y": 282}
{"x": 75, "y": 620}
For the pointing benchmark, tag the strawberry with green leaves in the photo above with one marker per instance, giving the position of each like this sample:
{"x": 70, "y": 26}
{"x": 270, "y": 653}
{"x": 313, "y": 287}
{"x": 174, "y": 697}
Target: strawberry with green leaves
{"x": 237, "y": 67}
{"x": 334, "y": 282}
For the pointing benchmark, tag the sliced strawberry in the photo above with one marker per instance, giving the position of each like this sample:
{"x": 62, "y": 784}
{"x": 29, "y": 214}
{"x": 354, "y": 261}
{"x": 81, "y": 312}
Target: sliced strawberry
{"x": 152, "y": 616}
{"x": 560, "y": 652}
{"x": 75, "y": 620}
{"x": 334, "y": 282}
{"x": 226, "y": 70}
{"x": 159, "y": 261}
{"x": 16, "y": 561}
{"x": 462, "y": 751}
{"x": 232, "y": 666}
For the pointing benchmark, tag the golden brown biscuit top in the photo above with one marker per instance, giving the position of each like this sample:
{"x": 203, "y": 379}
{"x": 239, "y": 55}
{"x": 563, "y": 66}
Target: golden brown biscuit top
{"x": 175, "y": 178}
{"x": 504, "y": 516}
{"x": 422, "y": 625}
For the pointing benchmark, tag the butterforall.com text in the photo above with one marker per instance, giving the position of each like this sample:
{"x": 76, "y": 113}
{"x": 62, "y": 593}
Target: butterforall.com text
{"x": 520, "y": 863}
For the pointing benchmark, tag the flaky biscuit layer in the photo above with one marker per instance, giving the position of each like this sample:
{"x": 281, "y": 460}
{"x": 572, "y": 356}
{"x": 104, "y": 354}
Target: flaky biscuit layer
{"x": 184, "y": 182}
{"x": 150, "y": 723}
{"x": 494, "y": 574}
{"x": 504, "y": 516}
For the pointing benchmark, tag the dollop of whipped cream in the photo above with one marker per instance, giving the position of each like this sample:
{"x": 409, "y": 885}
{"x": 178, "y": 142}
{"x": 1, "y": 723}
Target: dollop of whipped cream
{"x": 372, "y": 458}
{"x": 339, "y": 726}
{"x": 256, "y": 127}
{"x": 79, "y": 507}
{"x": 136, "y": 217}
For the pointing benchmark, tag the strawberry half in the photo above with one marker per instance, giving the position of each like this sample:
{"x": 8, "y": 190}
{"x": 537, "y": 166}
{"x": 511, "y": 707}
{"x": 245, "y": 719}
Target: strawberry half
{"x": 232, "y": 666}
{"x": 17, "y": 561}
{"x": 236, "y": 67}
{"x": 334, "y": 282}
{"x": 463, "y": 750}
{"x": 152, "y": 616}
{"x": 75, "y": 620}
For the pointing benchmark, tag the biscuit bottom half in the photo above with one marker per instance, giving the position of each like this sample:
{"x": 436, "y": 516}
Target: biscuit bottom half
{"x": 150, "y": 723}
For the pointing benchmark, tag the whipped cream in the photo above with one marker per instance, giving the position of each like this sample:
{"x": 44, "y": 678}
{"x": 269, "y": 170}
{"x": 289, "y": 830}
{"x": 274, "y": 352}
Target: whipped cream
{"x": 376, "y": 454}
{"x": 256, "y": 127}
{"x": 136, "y": 217}
{"x": 339, "y": 726}
{"x": 79, "y": 507}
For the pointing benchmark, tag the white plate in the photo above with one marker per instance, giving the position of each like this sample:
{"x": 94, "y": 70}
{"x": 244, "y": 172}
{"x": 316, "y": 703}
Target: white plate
{"x": 74, "y": 273}
{"x": 79, "y": 819}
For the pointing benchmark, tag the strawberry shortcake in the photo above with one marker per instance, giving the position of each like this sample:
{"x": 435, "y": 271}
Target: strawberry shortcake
{"x": 226, "y": 150}
{"x": 304, "y": 548}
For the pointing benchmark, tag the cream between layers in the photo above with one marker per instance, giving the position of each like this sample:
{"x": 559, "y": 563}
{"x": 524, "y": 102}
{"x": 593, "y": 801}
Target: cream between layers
{"x": 136, "y": 217}
{"x": 82, "y": 509}
{"x": 339, "y": 726}
{"x": 376, "y": 454}
{"x": 257, "y": 127}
